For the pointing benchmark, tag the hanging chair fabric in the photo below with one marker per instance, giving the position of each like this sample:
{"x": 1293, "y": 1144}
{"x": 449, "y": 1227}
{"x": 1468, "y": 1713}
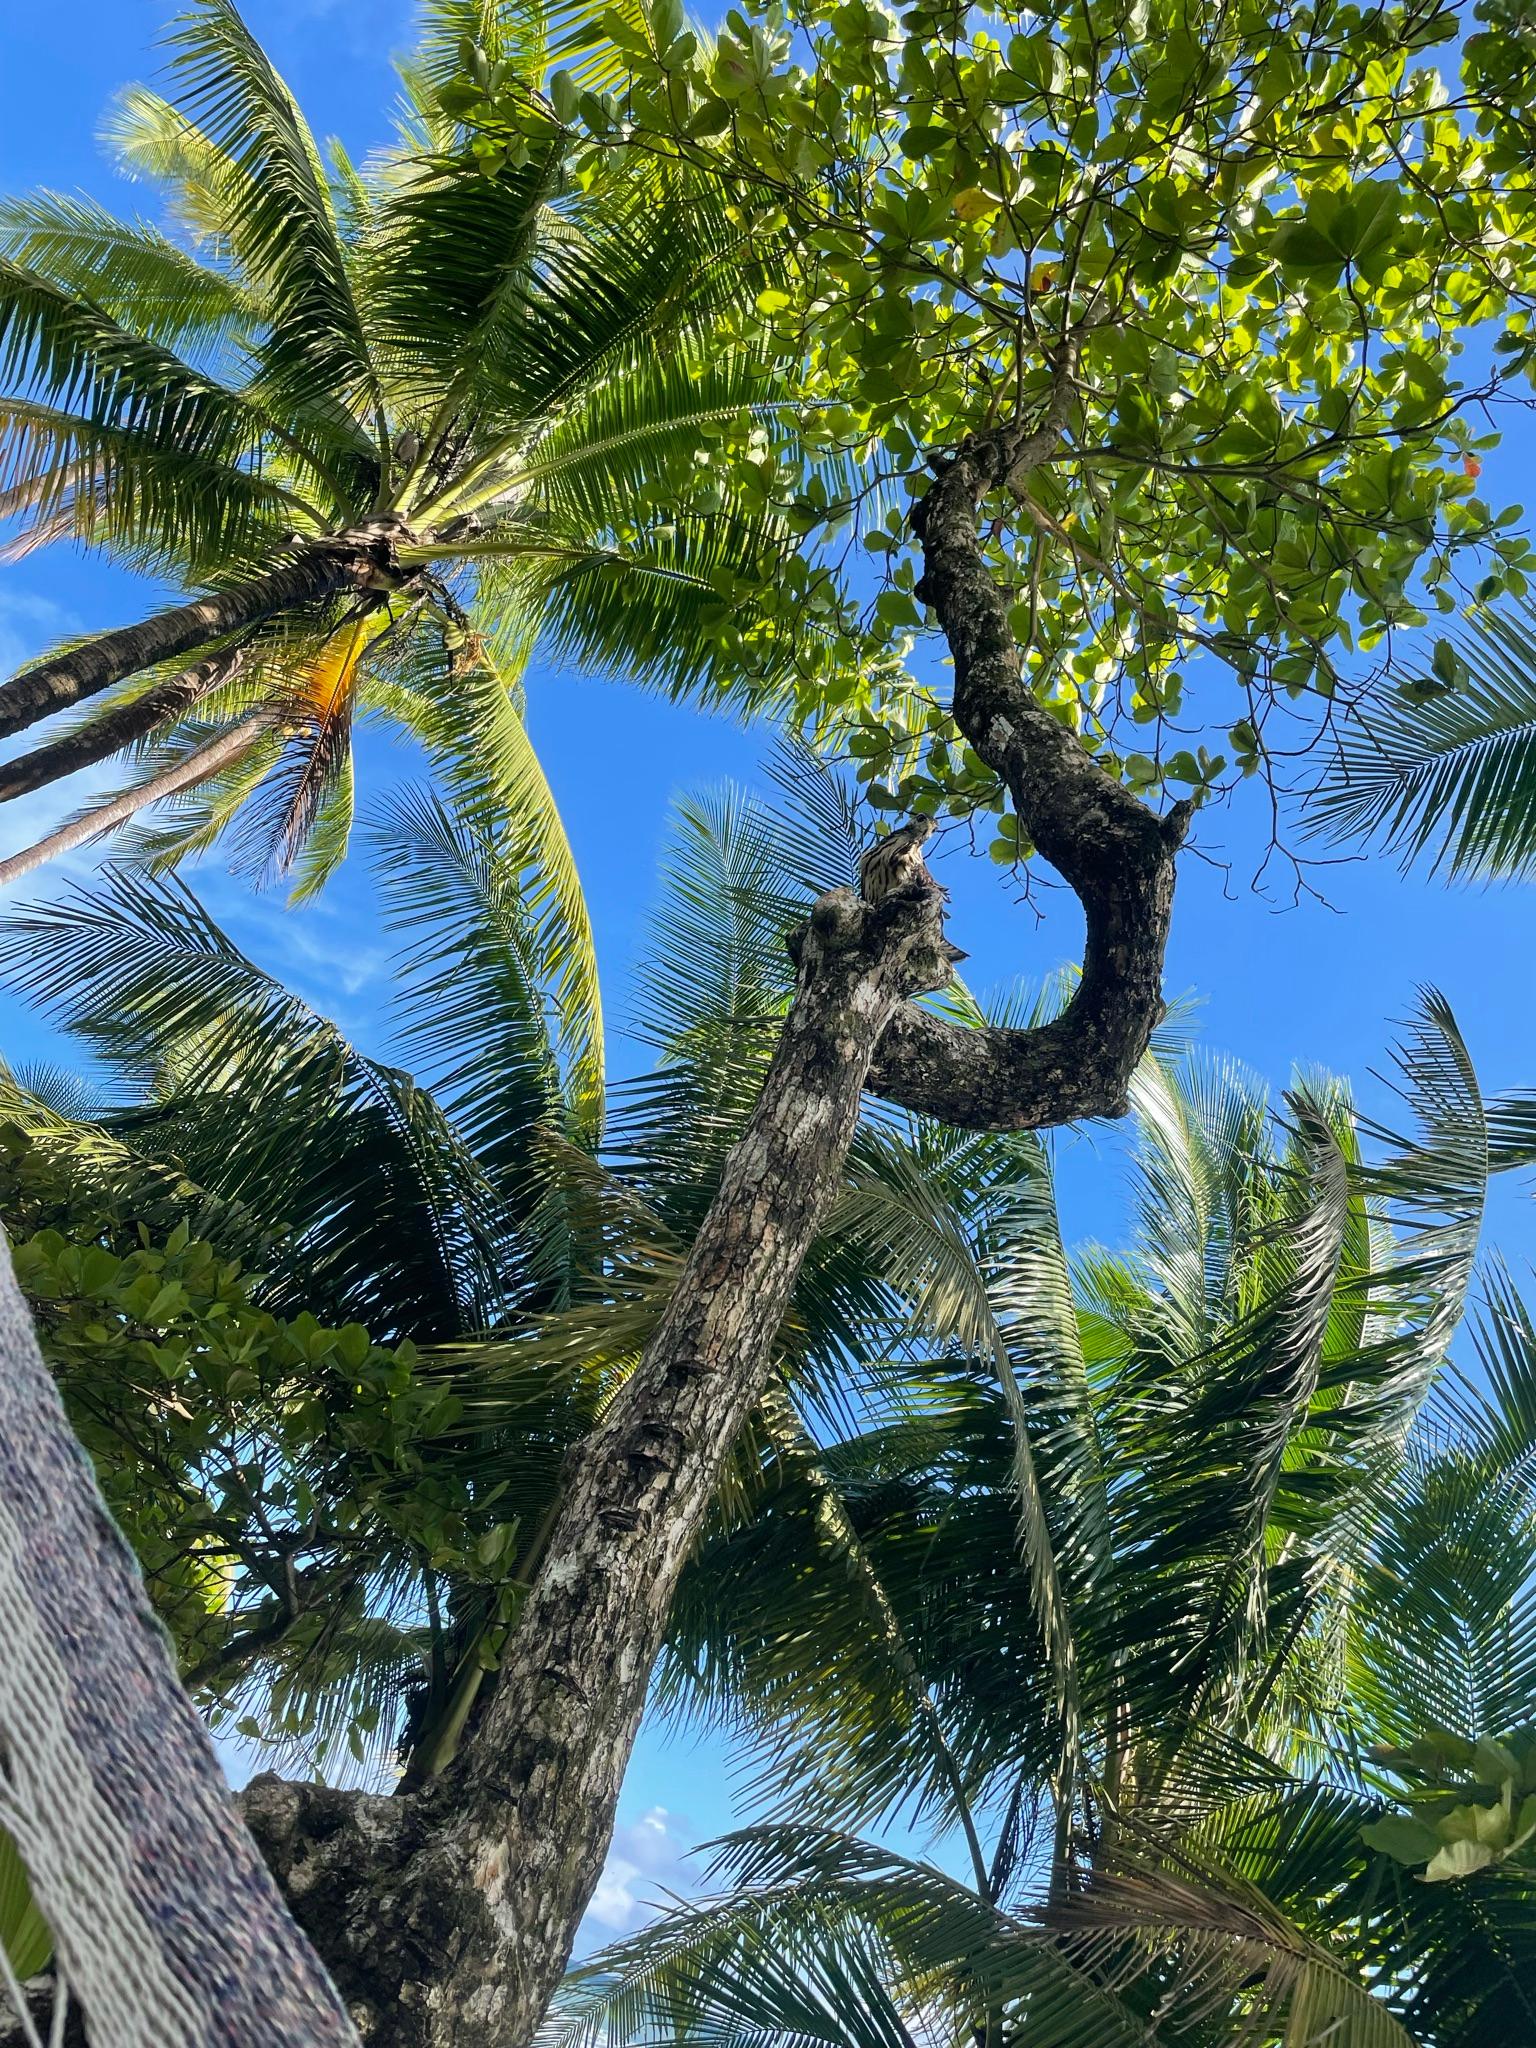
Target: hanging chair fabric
{"x": 168, "y": 1930}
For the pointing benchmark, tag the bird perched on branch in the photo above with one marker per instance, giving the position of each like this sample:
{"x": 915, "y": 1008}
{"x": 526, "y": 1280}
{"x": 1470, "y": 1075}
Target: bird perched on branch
{"x": 895, "y": 864}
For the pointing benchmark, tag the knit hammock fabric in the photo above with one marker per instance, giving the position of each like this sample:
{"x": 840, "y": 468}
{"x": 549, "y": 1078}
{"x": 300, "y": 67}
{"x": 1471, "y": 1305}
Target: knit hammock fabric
{"x": 168, "y": 1931}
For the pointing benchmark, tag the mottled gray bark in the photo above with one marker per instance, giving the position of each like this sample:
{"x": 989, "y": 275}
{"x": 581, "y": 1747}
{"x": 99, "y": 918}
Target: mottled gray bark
{"x": 171, "y": 1931}
{"x": 464, "y": 1946}
{"x": 1117, "y": 855}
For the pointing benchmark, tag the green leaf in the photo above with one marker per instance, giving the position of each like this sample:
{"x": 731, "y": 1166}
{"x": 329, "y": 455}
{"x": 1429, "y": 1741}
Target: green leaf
{"x": 1462, "y": 1858}
{"x": 1402, "y": 1838}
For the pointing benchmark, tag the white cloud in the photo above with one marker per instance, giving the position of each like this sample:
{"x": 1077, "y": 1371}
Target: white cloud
{"x": 308, "y": 948}
{"x": 646, "y": 1861}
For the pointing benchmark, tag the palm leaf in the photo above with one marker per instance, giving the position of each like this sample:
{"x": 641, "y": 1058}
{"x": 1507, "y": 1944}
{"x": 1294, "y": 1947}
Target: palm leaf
{"x": 829, "y": 1939}
{"x": 265, "y": 1103}
{"x": 473, "y": 986}
{"x": 1447, "y": 778}
{"x": 316, "y": 342}
{"x": 158, "y": 505}
{"x": 500, "y": 792}
{"x": 133, "y": 273}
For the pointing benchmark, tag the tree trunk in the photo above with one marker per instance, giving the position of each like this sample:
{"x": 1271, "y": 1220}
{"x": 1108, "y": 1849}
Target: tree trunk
{"x": 219, "y": 753}
{"x": 361, "y": 560}
{"x": 447, "y": 1917}
{"x": 119, "y": 727}
{"x": 169, "y": 1930}
{"x": 465, "y": 1948}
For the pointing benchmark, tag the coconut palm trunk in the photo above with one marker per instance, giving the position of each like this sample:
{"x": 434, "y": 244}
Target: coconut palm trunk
{"x": 122, "y": 726}
{"x": 220, "y": 753}
{"x": 96, "y": 665}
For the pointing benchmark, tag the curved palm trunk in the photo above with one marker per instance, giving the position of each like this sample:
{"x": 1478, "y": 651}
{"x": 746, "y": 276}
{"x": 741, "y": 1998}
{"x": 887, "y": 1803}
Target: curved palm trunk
{"x": 219, "y": 753}
{"x": 64, "y": 679}
{"x": 118, "y": 728}
{"x": 169, "y": 1931}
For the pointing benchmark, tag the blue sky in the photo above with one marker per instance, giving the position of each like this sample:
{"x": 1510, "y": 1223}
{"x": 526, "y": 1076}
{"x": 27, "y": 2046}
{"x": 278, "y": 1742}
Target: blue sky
{"x": 1277, "y": 983}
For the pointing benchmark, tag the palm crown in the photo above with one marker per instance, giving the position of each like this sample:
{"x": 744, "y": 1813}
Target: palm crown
{"x": 392, "y": 423}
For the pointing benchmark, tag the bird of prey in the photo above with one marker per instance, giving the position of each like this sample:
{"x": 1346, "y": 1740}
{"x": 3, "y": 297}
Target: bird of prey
{"x": 895, "y": 864}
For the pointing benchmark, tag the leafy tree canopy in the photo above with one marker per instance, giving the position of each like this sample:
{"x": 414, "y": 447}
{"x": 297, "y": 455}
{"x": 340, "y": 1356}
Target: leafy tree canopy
{"x": 1259, "y": 267}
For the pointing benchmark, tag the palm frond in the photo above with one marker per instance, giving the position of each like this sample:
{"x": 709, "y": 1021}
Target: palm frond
{"x": 64, "y": 352}
{"x": 158, "y": 505}
{"x": 454, "y": 270}
{"x": 264, "y": 1102}
{"x": 289, "y": 240}
{"x": 827, "y": 1939}
{"x": 329, "y": 835}
{"x": 900, "y": 1208}
{"x": 468, "y": 717}
{"x": 474, "y": 984}
{"x": 1211, "y": 1949}
{"x": 136, "y": 275}
{"x": 1446, "y": 772}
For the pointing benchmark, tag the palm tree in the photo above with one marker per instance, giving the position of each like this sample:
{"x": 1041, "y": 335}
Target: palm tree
{"x": 1114, "y": 1600}
{"x": 366, "y": 1199}
{"x": 1441, "y": 766}
{"x": 389, "y": 425}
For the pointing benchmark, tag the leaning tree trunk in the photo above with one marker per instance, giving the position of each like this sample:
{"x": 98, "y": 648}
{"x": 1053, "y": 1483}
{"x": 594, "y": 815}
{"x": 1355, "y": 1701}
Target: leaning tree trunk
{"x": 467, "y": 1951}
{"x": 168, "y": 1929}
{"x": 121, "y": 725}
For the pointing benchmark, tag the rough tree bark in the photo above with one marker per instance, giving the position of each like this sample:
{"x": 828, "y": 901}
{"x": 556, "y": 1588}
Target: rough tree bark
{"x": 363, "y": 559}
{"x": 1117, "y": 855}
{"x": 510, "y": 1842}
{"x": 446, "y": 1916}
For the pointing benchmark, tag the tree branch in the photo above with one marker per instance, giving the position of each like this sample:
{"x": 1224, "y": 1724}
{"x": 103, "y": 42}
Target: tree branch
{"x": 1117, "y": 855}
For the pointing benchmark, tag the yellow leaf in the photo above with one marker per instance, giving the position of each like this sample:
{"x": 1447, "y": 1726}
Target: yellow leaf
{"x": 328, "y": 680}
{"x": 974, "y": 204}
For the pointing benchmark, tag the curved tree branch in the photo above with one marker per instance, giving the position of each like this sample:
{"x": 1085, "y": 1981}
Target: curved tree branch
{"x": 1117, "y": 855}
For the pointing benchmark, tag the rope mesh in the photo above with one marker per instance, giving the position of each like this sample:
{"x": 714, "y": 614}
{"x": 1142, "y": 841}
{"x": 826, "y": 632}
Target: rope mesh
{"x": 168, "y": 1928}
